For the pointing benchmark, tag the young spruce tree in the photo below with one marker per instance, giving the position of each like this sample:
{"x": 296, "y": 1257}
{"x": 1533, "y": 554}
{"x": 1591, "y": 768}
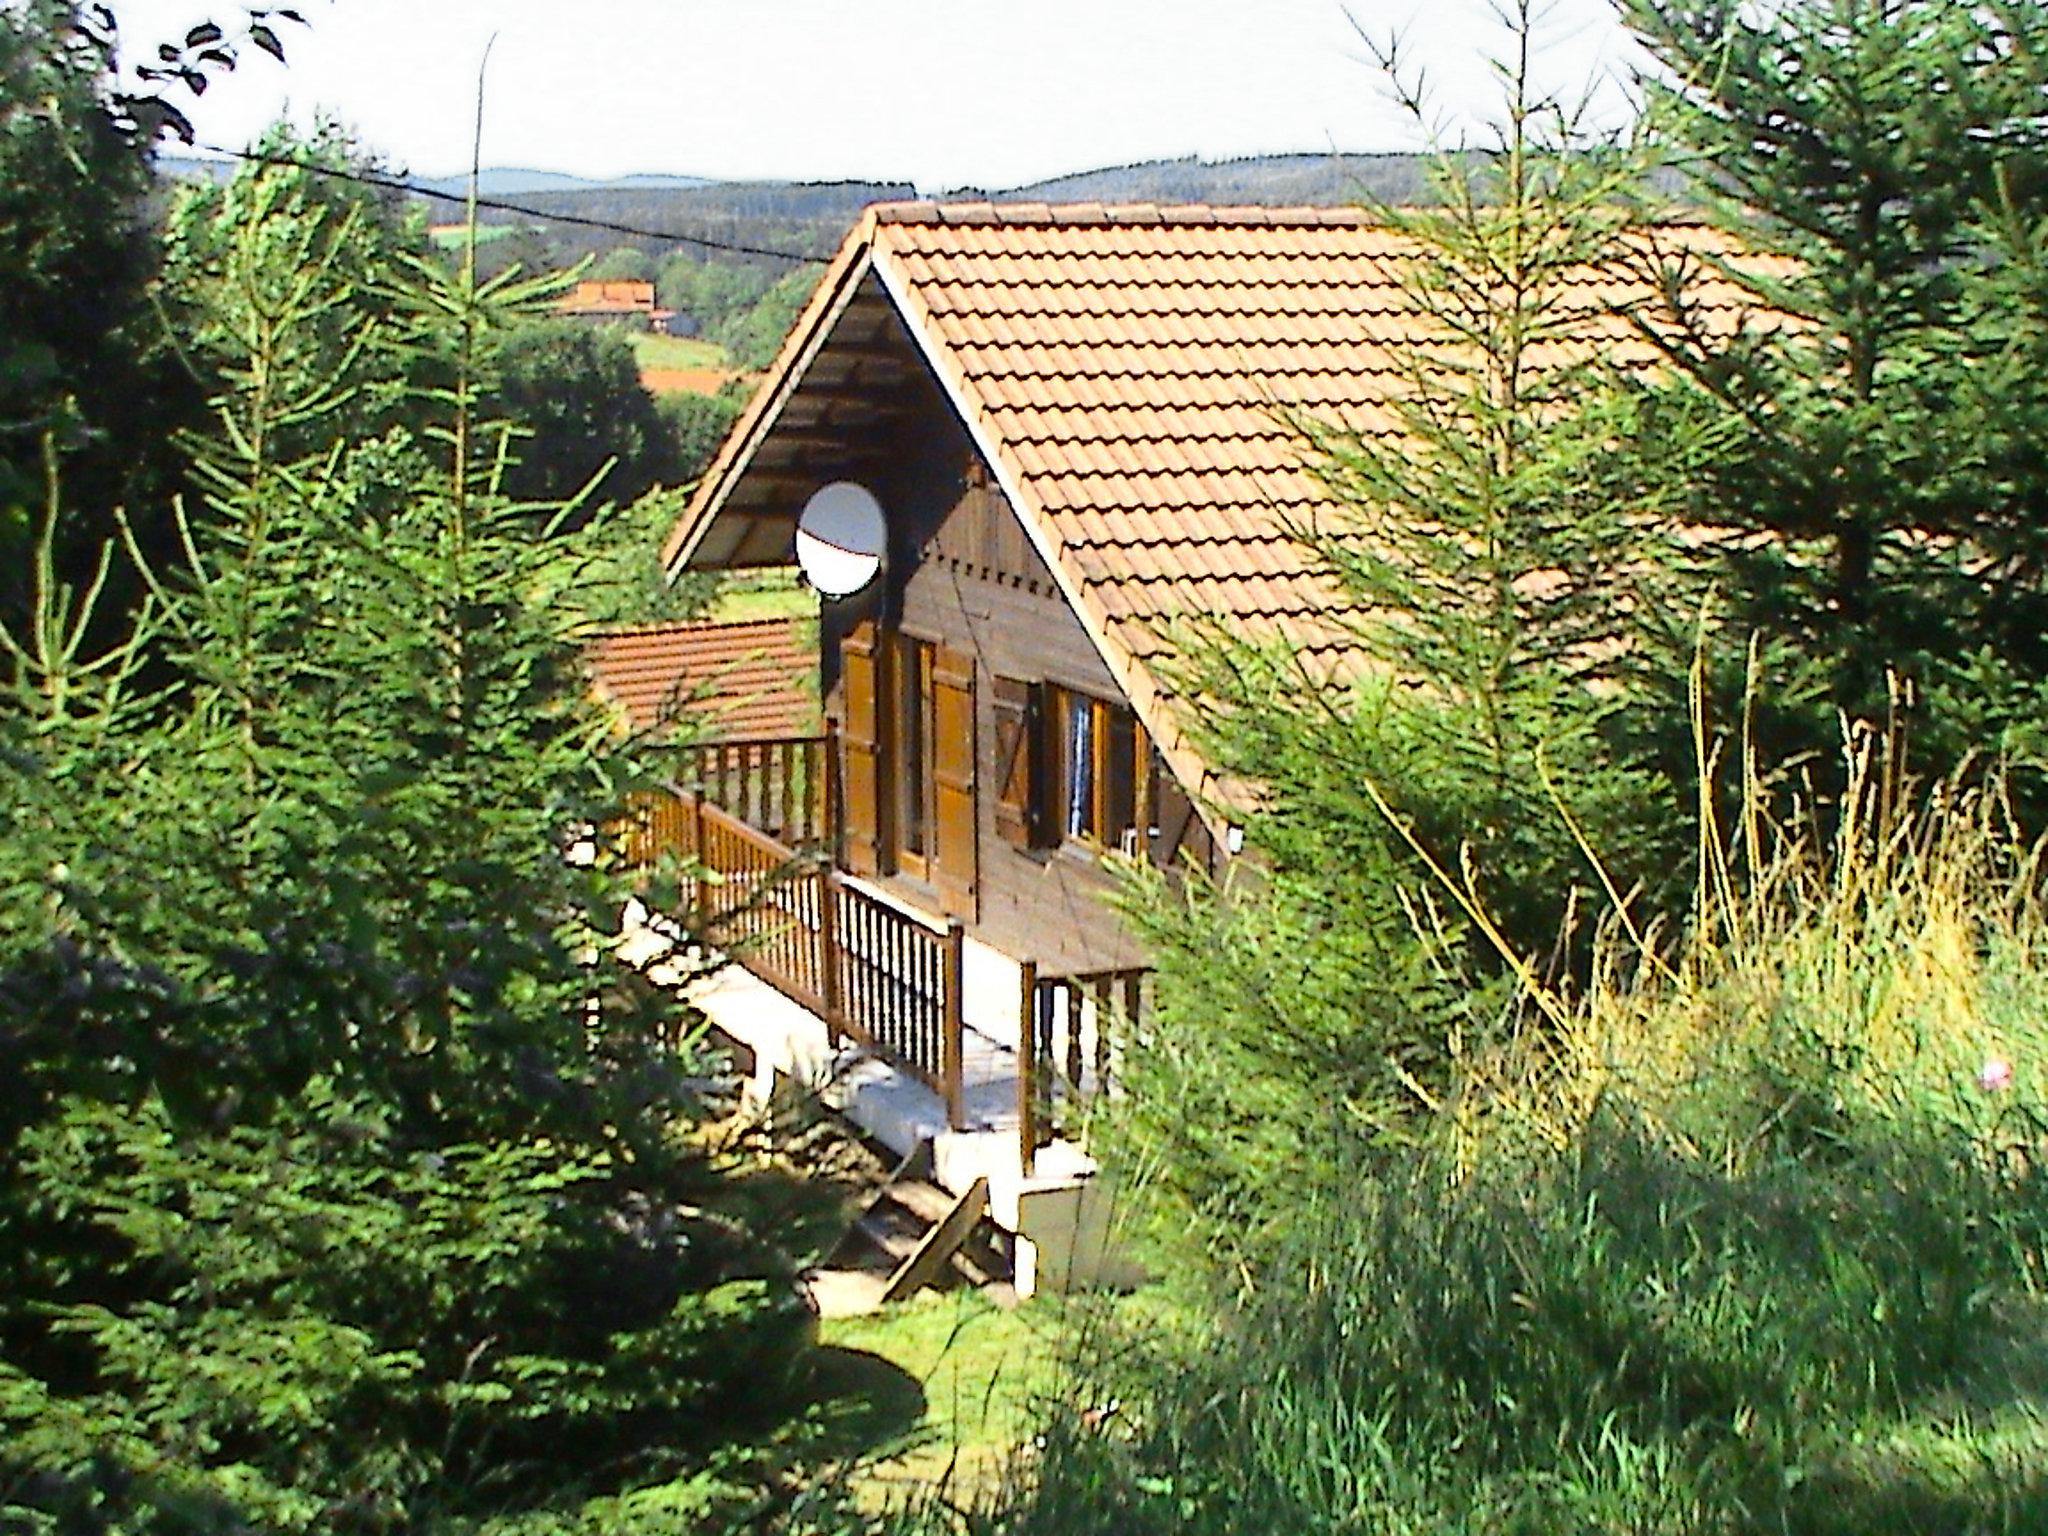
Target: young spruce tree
{"x": 337, "y": 1192}
{"x": 1495, "y": 549}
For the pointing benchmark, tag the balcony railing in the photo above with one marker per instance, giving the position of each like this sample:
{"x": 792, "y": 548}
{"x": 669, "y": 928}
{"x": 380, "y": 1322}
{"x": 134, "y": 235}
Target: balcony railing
{"x": 785, "y": 787}
{"x": 1070, "y": 1047}
{"x": 874, "y": 972}
{"x": 752, "y": 828}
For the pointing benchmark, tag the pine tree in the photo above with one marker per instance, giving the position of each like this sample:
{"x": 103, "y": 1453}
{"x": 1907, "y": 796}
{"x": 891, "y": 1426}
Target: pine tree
{"x": 337, "y": 1190}
{"x": 1879, "y": 481}
{"x": 1496, "y": 551}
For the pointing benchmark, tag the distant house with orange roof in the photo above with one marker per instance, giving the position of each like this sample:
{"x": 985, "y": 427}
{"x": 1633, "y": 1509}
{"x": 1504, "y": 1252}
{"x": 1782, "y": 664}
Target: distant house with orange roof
{"x": 628, "y": 302}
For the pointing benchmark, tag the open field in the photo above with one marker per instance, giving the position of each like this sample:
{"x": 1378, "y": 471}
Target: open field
{"x": 688, "y": 353}
{"x": 771, "y": 594}
{"x": 449, "y": 237}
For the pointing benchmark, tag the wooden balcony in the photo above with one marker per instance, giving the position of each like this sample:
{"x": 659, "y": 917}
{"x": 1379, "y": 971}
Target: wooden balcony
{"x": 750, "y": 832}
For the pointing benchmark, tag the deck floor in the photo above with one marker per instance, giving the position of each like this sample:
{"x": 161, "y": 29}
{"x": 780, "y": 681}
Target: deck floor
{"x": 788, "y": 1037}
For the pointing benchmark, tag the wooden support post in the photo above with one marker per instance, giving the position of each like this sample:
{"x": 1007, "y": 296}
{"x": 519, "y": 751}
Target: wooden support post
{"x": 828, "y": 951}
{"x": 1027, "y": 1066}
{"x": 827, "y": 791}
{"x": 953, "y": 1045}
{"x": 787, "y": 755}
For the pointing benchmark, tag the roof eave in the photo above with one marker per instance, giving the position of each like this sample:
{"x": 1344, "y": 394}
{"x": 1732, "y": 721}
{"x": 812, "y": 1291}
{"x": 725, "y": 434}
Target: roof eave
{"x": 812, "y": 329}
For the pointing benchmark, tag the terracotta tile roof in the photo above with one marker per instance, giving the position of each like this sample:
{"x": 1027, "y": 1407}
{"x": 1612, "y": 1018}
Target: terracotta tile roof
{"x": 733, "y": 681}
{"x": 1128, "y": 373}
{"x": 627, "y": 296}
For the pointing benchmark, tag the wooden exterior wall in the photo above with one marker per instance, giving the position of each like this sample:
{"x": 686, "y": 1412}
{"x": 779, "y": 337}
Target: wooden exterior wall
{"x": 963, "y": 575}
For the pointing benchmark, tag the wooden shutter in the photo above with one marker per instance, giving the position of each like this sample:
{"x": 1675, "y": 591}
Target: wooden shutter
{"x": 1020, "y": 768}
{"x": 859, "y": 737}
{"x": 953, "y": 841}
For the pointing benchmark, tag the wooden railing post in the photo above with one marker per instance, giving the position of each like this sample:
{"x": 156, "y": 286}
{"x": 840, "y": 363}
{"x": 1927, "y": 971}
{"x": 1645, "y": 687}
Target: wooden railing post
{"x": 1027, "y": 1065}
{"x": 828, "y": 951}
{"x": 697, "y": 855}
{"x": 827, "y": 790}
{"x": 953, "y": 1042}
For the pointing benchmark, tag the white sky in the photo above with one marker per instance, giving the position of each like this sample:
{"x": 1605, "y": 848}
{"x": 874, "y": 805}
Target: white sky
{"x": 945, "y": 93}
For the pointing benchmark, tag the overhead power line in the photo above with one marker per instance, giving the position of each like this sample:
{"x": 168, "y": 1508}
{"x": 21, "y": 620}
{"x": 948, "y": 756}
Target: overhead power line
{"x": 499, "y": 205}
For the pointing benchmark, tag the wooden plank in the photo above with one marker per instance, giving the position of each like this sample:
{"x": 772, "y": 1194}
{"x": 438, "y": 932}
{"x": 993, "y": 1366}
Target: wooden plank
{"x": 939, "y": 1244}
{"x": 922, "y": 1198}
{"x": 954, "y": 845}
{"x": 953, "y": 1040}
{"x": 1027, "y": 1065}
{"x": 860, "y": 741}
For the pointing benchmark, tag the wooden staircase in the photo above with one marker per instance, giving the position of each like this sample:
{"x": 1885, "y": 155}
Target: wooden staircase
{"x": 911, "y": 1233}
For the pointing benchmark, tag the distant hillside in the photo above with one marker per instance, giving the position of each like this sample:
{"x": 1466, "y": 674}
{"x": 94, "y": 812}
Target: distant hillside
{"x": 811, "y": 218}
{"x": 1262, "y": 180}
{"x": 192, "y": 167}
{"x": 804, "y": 218}
{"x": 499, "y": 181}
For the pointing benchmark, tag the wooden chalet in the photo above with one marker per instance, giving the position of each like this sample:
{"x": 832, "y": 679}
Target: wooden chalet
{"x": 1075, "y": 420}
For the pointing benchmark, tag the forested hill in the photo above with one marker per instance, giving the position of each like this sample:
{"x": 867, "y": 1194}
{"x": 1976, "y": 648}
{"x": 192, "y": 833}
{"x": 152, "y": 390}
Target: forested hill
{"x": 1269, "y": 180}
{"x": 805, "y": 216}
{"x": 812, "y": 217}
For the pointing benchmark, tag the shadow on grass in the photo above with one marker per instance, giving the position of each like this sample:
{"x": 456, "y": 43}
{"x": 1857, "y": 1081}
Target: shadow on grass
{"x": 871, "y": 1407}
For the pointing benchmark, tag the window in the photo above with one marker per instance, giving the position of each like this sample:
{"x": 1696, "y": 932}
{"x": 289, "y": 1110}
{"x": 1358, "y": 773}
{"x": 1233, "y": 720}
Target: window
{"x": 1097, "y": 749}
{"x": 1070, "y": 768}
{"x": 910, "y": 727}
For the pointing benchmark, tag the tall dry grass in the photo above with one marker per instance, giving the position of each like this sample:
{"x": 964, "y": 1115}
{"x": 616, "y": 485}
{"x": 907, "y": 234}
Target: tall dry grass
{"x": 1744, "y": 1234}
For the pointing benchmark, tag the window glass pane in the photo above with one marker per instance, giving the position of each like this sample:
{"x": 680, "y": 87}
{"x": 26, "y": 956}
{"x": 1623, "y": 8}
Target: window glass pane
{"x": 1080, "y": 766}
{"x": 912, "y": 658}
{"x": 1119, "y": 775}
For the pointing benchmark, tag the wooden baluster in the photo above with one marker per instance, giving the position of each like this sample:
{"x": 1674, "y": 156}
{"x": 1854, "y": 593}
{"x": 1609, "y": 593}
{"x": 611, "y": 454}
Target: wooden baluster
{"x": 954, "y": 1043}
{"x": 1027, "y": 1066}
{"x": 858, "y": 1005}
{"x": 697, "y": 853}
{"x": 918, "y": 1014}
{"x": 831, "y": 825}
{"x": 777, "y": 781}
{"x": 903, "y": 1011}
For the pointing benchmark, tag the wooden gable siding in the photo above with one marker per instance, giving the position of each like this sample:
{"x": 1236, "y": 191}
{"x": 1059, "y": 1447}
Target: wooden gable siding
{"x": 964, "y": 576}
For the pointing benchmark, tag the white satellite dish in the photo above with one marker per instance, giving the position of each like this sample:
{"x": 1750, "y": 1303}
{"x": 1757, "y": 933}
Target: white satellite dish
{"x": 840, "y": 539}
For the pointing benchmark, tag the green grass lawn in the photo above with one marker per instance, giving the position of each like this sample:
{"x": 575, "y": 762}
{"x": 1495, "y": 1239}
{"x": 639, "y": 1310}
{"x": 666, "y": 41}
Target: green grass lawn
{"x": 453, "y": 238}
{"x": 949, "y": 1381}
{"x": 677, "y": 351}
{"x": 748, "y": 595}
